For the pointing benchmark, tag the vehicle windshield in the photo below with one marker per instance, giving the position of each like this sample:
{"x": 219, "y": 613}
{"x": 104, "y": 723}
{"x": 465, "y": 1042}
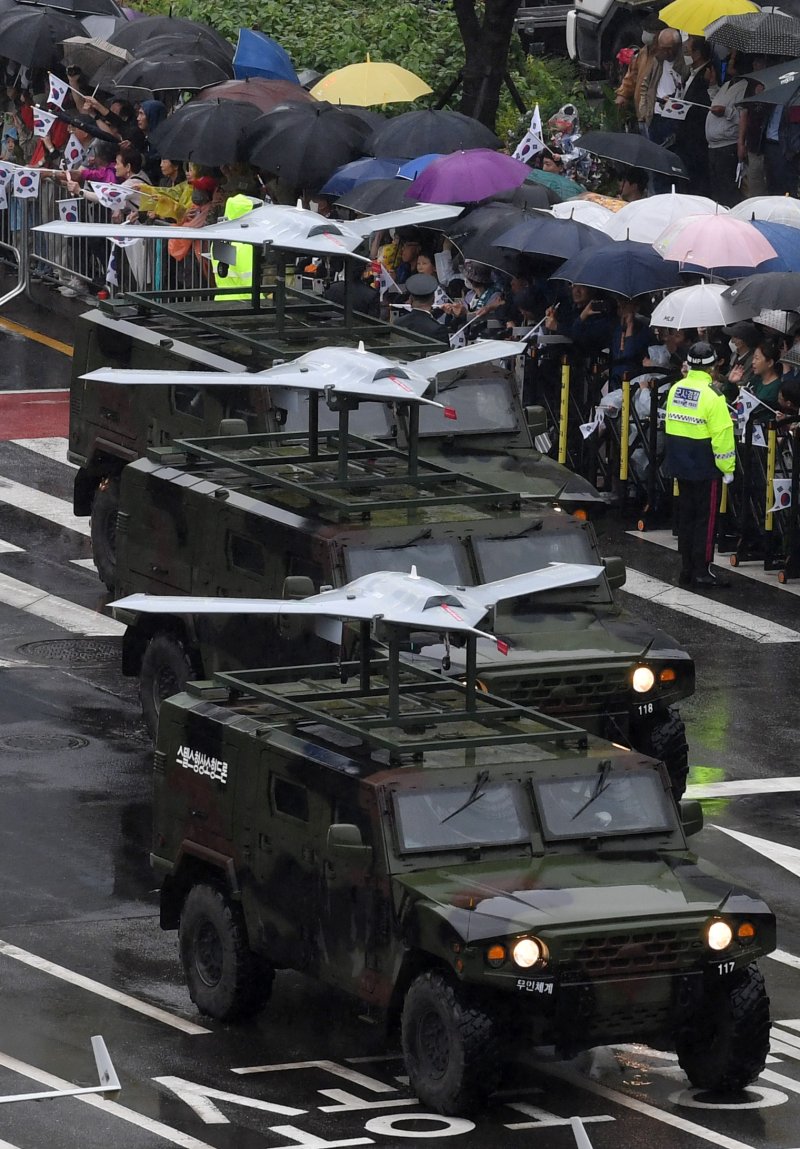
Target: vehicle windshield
{"x": 604, "y": 804}
{"x": 516, "y": 554}
{"x": 460, "y": 817}
{"x": 440, "y": 561}
{"x": 483, "y": 406}
{"x": 370, "y": 420}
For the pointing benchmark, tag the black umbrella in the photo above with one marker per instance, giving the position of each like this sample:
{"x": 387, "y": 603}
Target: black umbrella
{"x": 343, "y": 114}
{"x": 475, "y": 232}
{"x": 757, "y": 32}
{"x": 624, "y": 268}
{"x": 157, "y": 47}
{"x": 303, "y": 144}
{"x": 371, "y": 119}
{"x": 32, "y": 36}
{"x": 427, "y": 131}
{"x": 377, "y": 196}
{"x": 772, "y": 290}
{"x": 210, "y": 133}
{"x": 135, "y": 33}
{"x": 634, "y": 151}
{"x": 781, "y": 83}
{"x": 86, "y": 7}
{"x": 543, "y": 235}
{"x": 170, "y": 73}
{"x": 529, "y": 195}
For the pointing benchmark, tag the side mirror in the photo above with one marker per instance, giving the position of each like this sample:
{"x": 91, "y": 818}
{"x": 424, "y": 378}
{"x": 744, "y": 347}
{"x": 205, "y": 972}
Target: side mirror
{"x": 536, "y": 418}
{"x": 233, "y": 427}
{"x": 297, "y": 586}
{"x": 691, "y": 816}
{"x": 345, "y": 842}
{"x": 615, "y": 572}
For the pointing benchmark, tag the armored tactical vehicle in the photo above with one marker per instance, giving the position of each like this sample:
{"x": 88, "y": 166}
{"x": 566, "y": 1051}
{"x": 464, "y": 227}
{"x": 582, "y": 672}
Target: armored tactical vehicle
{"x": 274, "y": 514}
{"x": 483, "y": 874}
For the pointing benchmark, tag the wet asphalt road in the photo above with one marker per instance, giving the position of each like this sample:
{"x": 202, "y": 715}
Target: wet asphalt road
{"x": 78, "y": 899}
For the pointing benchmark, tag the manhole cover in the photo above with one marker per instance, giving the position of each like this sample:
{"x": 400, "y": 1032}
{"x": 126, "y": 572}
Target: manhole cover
{"x": 73, "y": 651}
{"x": 35, "y": 743}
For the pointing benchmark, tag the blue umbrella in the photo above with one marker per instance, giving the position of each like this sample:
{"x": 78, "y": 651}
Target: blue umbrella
{"x": 785, "y": 240}
{"x": 259, "y": 55}
{"x": 623, "y": 267}
{"x": 358, "y": 172}
{"x": 410, "y": 170}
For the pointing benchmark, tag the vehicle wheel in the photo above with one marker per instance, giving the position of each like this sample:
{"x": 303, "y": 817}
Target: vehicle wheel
{"x": 450, "y": 1046}
{"x": 166, "y": 668}
{"x": 105, "y": 505}
{"x": 665, "y": 738}
{"x": 725, "y": 1045}
{"x": 225, "y": 978}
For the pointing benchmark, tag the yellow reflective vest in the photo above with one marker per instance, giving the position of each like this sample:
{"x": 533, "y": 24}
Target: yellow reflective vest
{"x": 240, "y": 273}
{"x": 699, "y": 430}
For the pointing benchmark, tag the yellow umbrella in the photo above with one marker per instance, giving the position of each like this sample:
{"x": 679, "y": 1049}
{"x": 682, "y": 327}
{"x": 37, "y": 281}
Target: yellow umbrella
{"x": 694, "y": 16}
{"x": 370, "y": 83}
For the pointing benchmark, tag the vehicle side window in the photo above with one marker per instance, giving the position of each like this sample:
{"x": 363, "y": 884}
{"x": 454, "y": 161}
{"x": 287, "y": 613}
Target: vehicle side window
{"x": 246, "y": 554}
{"x": 290, "y": 799}
{"x": 189, "y": 401}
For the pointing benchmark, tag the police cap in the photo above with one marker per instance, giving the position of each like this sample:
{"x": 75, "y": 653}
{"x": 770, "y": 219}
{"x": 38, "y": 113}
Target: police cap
{"x": 421, "y": 284}
{"x": 701, "y": 355}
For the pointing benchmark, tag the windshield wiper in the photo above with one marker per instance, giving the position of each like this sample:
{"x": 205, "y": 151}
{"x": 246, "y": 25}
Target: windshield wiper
{"x": 602, "y": 784}
{"x": 475, "y": 794}
{"x": 411, "y": 542}
{"x": 521, "y": 534}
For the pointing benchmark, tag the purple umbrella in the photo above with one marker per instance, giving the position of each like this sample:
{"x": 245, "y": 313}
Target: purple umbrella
{"x": 466, "y": 177}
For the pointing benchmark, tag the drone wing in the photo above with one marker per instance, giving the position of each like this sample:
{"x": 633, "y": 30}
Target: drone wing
{"x": 552, "y": 577}
{"x": 404, "y": 217}
{"x": 482, "y": 351}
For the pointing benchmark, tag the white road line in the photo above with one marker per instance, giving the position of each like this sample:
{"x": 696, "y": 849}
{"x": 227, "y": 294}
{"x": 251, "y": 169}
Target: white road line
{"x": 753, "y": 571}
{"x": 44, "y": 506}
{"x": 68, "y": 615}
{"x": 783, "y": 1050}
{"x": 786, "y": 856}
{"x": 788, "y": 1039}
{"x": 158, "y": 1128}
{"x": 8, "y": 548}
{"x": 85, "y": 564}
{"x": 78, "y": 979}
{"x": 751, "y": 787}
{"x": 55, "y": 448}
{"x": 708, "y": 610}
{"x": 787, "y": 959}
{"x": 618, "y": 1098}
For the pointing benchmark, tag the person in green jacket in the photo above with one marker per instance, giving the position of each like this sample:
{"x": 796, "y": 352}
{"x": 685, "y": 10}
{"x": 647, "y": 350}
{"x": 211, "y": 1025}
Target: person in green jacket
{"x": 700, "y": 451}
{"x": 765, "y": 380}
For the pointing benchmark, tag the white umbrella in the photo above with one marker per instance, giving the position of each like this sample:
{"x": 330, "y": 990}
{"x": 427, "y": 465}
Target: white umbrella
{"x": 584, "y": 211}
{"x": 771, "y": 208}
{"x": 700, "y": 305}
{"x": 645, "y": 219}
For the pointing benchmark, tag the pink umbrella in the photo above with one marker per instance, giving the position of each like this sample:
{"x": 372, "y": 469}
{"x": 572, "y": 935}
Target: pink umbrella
{"x": 714, "y": 241}
{"x": 467, "y": 177}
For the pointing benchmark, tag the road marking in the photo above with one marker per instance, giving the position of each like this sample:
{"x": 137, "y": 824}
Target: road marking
{"x": 55, "y": 448}
{"x": 779, "y": 1079}
{"x": 786, "y": 856}
{"x": 744, "y": 788}
{"x": 44, "y": 506}
{"x": 173, "y": 1136}
{"x": 67, "y": 615}
{"x": 756, "y": 574}
{"x": 8, "y": 548}
{"x": 36, "y": 336}
{"x": 718, "y": 1139}
{"x": 78, "y": 979}
{"x": 85, "y": 564}
{"x": 41, "y": 413}
{"x": 707, "y": 610}
{"x": 787, "y": 959}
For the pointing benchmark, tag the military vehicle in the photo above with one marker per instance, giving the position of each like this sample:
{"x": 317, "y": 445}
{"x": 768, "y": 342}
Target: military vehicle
{"x": 281, "y": 514}
{"x": 482, "y": 874}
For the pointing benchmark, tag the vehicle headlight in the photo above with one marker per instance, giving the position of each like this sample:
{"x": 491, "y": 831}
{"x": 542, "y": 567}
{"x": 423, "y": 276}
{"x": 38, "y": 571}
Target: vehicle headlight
{"x": 643, "y": 679}
{"x": 526, "y": 952}
{"x": 719, "y": 935}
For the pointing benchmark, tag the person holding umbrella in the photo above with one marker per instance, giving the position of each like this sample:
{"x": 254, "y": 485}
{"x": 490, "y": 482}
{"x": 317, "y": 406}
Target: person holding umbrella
{"x": 699, "y": 450}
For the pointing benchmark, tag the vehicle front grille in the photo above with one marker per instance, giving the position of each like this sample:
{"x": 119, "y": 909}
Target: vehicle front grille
{"x": 568, "y": 692}
{"x": 623, "y": 954}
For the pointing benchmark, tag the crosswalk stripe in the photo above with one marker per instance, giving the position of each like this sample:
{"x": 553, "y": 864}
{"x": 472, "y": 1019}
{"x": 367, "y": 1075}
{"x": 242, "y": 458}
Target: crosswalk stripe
{"x": 44, "y": 506}
{"x": 8, "y": 548}
{"x": 55, "y": 448}
{"x": 708, "y": 610}
{"x": 67, "y": 615}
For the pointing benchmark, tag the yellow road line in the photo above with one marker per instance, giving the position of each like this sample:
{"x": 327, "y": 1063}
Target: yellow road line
{"x": 36, "y": 336}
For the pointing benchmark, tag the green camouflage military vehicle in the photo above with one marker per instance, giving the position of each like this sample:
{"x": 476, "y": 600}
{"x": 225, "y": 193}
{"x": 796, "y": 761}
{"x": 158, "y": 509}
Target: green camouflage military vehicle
{"x": 110, "y": 425}
{"x": 257, "y": 515}
{"x": 483, "y": 875}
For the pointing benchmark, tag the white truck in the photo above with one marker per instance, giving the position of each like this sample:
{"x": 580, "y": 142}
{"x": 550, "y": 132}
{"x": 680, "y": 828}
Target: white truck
{"x": 596, "y": 30}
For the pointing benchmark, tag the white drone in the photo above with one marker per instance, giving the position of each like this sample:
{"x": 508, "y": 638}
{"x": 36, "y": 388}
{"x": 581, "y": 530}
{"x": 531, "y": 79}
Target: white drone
{"x": 409, "y": 601}
{"x": 336, "y": 371}
{"x": 288, "y": 228}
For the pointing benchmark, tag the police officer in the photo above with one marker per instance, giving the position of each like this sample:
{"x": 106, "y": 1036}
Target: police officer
{"x": 421, "y": 292}
{"x": 699, "y": 448}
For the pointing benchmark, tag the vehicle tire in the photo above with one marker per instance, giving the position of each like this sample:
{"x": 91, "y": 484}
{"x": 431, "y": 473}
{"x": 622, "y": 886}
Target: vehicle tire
{"x": 450, "y": 1046}
{"x": 166, "y": 668}
{"x": 664, "y": 737}
{"x": 226, "y": 979}
{"x": 725, "y": 1045}
{"x": 105, "y": 505}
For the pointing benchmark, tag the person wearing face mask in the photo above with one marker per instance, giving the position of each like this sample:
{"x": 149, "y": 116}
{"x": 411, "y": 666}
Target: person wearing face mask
{"x": 663, "y": 82}
{"x": 690, "y": 133}
{"x": 629, "y": 91}
{"x": 742, "y": 340}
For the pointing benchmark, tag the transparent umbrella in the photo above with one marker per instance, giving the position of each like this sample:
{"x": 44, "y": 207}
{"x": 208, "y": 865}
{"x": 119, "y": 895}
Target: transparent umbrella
{"x": 701, "y": 305}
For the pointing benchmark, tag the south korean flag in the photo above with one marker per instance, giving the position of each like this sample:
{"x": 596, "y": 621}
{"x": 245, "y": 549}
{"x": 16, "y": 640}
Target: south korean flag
{"x": 26, "y": 183}
{"x": 781, "y": 494}
{"x": 74, "y": 151}
{"x": 532, "y": 142}
{"x": 58, "y": 91}
{"x": 112, "y": 196}
{"x": 68, "y": 210}
{"x": 42, "y": 122}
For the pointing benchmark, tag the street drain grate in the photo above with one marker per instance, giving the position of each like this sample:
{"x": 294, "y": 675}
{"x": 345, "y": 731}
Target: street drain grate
{"x": 35, "y": 743}
{"x": 73, "y": 651}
